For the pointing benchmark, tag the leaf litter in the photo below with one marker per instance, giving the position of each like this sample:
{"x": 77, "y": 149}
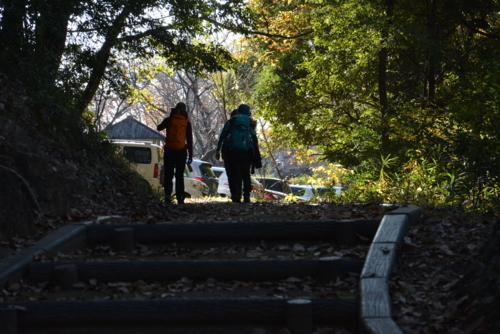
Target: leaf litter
{"x": 429, "y": 287}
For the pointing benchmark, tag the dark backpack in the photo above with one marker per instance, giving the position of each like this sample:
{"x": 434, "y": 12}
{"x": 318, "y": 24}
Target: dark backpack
{"x": 176, "y": 131}
{"x": 239, "y": 139}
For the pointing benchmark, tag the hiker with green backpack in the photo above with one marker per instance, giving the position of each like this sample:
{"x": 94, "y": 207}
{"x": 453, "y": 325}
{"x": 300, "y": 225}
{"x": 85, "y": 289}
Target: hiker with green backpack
{"x": 241, "y": 152}
{"x": 177, "y": 145}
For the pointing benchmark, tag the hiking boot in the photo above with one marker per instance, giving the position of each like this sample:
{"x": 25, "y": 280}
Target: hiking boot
{"x": 246, "y": 199}
{"x": 236, "y": 199}
{"x": 180, "y": 199}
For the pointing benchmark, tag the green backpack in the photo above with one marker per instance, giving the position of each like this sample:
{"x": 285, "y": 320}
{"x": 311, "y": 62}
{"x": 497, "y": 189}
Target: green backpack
{"x": 239, "y": 139}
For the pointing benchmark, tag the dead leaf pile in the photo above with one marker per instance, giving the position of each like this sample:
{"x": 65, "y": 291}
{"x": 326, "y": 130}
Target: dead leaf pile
{"x": 427, "y": 282}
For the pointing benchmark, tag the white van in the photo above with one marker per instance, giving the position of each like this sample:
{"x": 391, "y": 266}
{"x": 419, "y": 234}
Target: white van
{"x": 146, "y": 158}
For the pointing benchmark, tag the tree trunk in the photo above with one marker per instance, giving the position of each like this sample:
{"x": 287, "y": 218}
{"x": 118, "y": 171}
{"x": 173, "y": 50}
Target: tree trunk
{"x": 101, "y": 59}
{"x": 51, "y": 32}
{"x": 12, "y": 35}
{"x": 269, "y": 151}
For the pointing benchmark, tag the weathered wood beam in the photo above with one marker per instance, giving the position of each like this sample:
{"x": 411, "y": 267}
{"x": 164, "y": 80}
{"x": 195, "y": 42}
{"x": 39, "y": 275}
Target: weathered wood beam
{"x": 129, "y": 271}
{"x": 174, "y": 312}
{"x": 234, "y": 231}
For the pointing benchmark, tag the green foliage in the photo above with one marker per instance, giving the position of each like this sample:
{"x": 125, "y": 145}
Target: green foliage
{"x": 421, "y": 182}
{"x": 329, "y": 175}
{"x": 415, "y": 83}
{"x": 327, "y": 89}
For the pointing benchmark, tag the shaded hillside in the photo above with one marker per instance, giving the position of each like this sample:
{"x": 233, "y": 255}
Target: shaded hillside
{"x": 57, "y": 172}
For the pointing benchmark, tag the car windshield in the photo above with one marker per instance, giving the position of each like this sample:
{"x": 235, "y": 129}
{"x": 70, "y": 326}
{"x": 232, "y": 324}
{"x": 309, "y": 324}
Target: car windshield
{"x": 273, "y": 185}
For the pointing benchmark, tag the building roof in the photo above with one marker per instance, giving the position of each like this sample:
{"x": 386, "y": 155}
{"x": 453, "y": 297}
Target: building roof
{"x": 129, "y": 128}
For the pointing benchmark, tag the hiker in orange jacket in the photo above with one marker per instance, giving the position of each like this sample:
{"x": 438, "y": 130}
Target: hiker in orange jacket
{"x": 178, "y": 144}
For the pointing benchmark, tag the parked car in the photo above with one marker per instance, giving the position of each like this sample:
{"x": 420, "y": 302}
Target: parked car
{"x": 145, "y": 158}
{"x": 308, "y": 192}
{"x": 223, "y": 189}
{"x": 218, "y": 171}
{"x": 275, "y": 184}
{"x": 271, "y": 195}
{"x": 202, "y": 171}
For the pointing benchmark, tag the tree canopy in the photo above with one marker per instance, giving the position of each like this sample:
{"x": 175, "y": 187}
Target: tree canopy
{"x": 384, "y": 78}
{"x": 72, "y": 45}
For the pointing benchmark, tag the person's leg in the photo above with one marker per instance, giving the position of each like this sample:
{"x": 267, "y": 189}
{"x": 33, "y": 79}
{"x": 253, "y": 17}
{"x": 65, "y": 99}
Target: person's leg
{"x": 168, "y": 165}
{"x": 245, "y": 175}
{"x": 180, "y": 164}
{"x": 234, "y": 177}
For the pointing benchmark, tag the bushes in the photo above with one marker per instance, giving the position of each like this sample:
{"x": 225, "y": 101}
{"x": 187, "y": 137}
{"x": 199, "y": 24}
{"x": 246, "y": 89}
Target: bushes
{"x": 423, "y": 182}
{"x": 419, "y": 180}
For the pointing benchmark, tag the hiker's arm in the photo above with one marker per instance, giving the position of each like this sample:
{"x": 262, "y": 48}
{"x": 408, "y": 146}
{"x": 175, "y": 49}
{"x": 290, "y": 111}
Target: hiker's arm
{"x": 162, "y": 125}
{"x": 189, "y": 139}
{"x": 253, "y": 127}
{"x": 223, "y": 135}
{"x": 255, "y": 143}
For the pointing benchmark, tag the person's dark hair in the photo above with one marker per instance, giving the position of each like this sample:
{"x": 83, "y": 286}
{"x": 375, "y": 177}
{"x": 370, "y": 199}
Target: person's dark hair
{"x": 181, "y": 106}
{"x": 244, "y": 109}
{"x": 234, "y": 112}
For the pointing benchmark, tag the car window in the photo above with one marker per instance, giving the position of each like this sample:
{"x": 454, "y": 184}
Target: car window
{"x": 321, "y": 191}
{"x": 274, "y": 185}
{"x": 206, "y": 170}
{"x": 138, "y": 155}
{"x": 298, "y": 191}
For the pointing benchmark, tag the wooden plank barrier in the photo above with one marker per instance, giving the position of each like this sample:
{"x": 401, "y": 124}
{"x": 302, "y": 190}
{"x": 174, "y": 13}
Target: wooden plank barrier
{"x": 375, "y": 300}
{"x": 169, "y": 312}
{"x": 128, "y": 271}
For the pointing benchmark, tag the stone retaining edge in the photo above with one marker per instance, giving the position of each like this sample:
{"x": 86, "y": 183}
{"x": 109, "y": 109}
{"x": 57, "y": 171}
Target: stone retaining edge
{"x": 67, "y": 238}
{"x": 375, "y": 301}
